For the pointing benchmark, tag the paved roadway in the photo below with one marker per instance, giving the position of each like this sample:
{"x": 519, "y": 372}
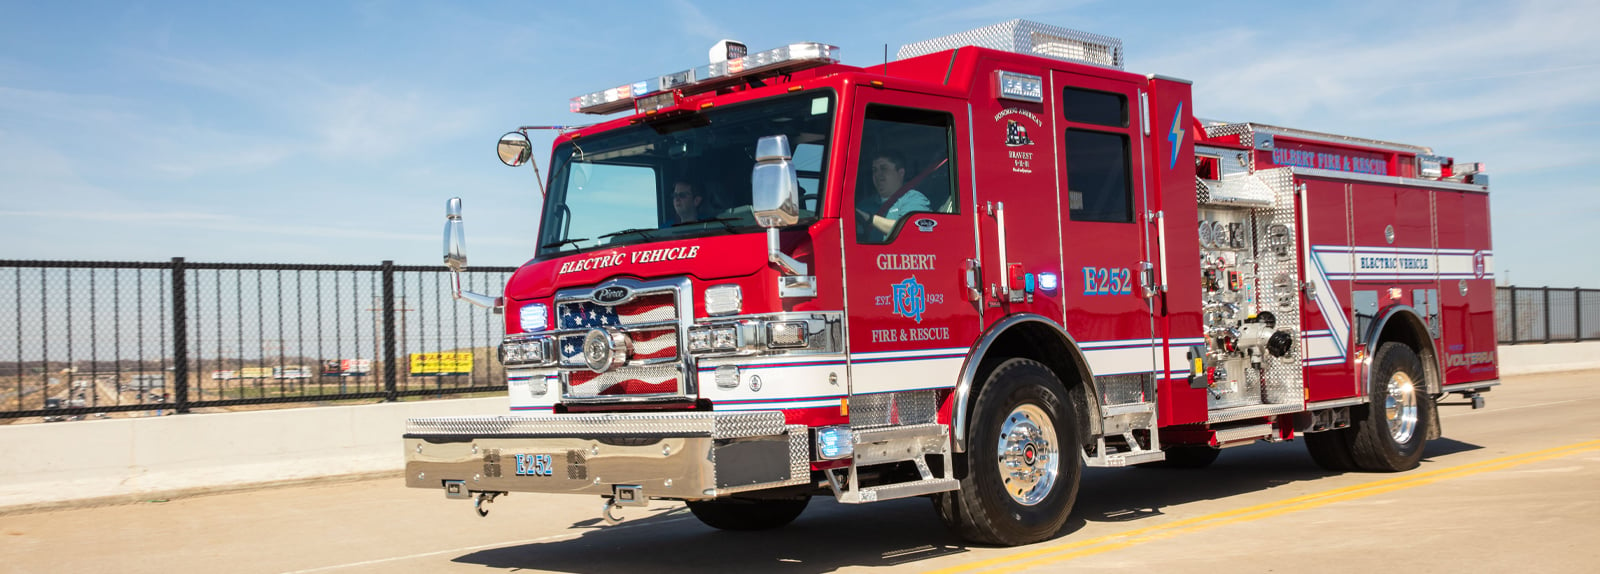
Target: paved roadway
{"x": 1515, "y": 487}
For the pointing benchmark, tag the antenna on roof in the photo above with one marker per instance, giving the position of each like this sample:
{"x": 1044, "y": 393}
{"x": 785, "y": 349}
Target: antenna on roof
{"x": 885, "y": 59}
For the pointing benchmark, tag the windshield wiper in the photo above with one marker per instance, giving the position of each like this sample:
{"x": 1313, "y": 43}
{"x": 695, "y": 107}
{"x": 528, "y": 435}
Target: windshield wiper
{"x": 723, "y": 220}
{"x": 562, "y": 242}
{"x": 643, "y": 232}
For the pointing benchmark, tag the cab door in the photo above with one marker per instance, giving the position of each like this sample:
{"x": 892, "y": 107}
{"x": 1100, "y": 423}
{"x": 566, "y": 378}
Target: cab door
{"x": 908, "y": 239}
{"x": 1106, "y": 236}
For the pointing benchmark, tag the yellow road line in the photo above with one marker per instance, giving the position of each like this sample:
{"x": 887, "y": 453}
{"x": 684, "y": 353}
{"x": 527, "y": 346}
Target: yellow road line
{"x": 1070, "y": 550}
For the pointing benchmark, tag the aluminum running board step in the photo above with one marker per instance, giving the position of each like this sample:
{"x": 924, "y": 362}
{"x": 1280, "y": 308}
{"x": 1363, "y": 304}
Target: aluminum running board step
{"x": 1119, "y": 421}
{"x": 1243, "y": 434}
{"x": 885, "y": 445}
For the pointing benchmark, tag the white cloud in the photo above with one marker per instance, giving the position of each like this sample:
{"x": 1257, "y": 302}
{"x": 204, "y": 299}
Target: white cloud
{"x": 695, "y": 23}
{"x": 368, "y": 122}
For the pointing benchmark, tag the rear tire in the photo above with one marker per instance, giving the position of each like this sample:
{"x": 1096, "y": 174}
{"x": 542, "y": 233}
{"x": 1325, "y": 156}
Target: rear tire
{"x": 1391, "y": 429}
{"x": 748, "y": 513}
{"x": 1024, "y": 459}
{"x": 1330, "y": 449}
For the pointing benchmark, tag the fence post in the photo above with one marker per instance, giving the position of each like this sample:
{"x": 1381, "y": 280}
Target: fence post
{"x": 1546, "y": 313}
{"x": 1515, "y": 326}
{"x": 1577, "y": 314}
{"x": 388, "y": 333}
{"x": 180, "y": 337}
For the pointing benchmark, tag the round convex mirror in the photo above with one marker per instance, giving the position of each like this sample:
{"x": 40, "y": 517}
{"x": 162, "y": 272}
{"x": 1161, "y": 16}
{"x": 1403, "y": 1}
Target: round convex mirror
{"x": 515, "y": 149}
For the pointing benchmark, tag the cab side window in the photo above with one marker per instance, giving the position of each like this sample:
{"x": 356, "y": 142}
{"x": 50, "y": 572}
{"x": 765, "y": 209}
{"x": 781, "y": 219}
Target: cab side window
{"x": 1099, "y": 184}
{"x": 906, "y": 167}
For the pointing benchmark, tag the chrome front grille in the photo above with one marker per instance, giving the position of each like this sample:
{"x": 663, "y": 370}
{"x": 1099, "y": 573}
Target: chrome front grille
{"x": 652, "y": 317}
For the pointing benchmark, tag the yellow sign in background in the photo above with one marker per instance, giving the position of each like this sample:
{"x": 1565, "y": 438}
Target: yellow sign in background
{"x": 441, "y": 363}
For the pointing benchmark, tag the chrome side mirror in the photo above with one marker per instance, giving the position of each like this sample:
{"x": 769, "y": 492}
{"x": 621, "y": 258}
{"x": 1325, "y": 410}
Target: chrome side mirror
{"x": 515, "y": 149}
{"x": 455, "y": 240}
{"x": 774, "y": 185}
{"x": 455, "y": 257}
{"x": 775, "y": 202}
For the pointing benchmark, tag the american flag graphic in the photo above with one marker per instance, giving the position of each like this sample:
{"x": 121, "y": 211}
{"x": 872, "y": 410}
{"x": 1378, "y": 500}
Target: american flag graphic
{"x": 647, "y": 344}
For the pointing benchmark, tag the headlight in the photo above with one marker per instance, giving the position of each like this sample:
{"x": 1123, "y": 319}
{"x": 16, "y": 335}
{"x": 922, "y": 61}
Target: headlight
{"x": 786, "y": 334}
{"x": 699, "y": 340}
{"x": 724, "y": 338}
{"x": 534, "y": 317}
{"x": 524, "y": 352}
{"x": 724, "y": 300}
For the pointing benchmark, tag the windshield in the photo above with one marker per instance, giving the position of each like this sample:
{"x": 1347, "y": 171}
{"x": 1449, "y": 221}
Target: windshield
{"x": 679, "y": 177}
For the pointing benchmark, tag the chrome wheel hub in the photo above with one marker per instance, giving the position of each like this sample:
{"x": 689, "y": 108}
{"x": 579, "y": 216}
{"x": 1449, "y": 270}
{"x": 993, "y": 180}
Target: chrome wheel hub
{"x": 1400, "y": 407}
{"x": 1029, "y": 458}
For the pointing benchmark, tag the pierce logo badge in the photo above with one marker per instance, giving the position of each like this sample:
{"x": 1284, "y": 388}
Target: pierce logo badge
{"x": 925, "y": 225}
{"x": 611, "y": 295}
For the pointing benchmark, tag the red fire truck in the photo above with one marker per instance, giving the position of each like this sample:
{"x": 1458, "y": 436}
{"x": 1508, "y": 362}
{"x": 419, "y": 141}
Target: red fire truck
{"x": 964, "y": 274}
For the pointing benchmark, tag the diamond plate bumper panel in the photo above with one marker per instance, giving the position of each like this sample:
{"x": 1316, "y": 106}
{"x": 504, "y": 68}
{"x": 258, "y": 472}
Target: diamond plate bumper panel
{"x": 676, "y": 455}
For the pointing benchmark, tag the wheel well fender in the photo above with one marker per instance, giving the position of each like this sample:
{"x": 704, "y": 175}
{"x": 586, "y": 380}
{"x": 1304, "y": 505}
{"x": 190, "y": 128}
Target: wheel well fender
{"x": 1402, "y": 324}
{"x": 1027, "y": 336}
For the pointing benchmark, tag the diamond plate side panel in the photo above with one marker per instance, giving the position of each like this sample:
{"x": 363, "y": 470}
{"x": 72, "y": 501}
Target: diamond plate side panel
{"x": 1124, "y": 389}
{"x": 799, "y": 463}
{"x": 1245, "y": 131}
{"x": 1025, "y": 37}
{"x": 722, "y": 425}
{"x": 1279, "y": 287}
{"x": 748, "y": 424}
{"x": 902, "y": 408}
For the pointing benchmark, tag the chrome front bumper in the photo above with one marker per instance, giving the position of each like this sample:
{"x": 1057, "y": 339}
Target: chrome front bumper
{"x": 664, "y": 455}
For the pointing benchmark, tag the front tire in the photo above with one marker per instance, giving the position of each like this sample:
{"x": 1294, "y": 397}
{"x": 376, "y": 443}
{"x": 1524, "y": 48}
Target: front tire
{"x": 1024, "y": 461}
{"x": 747, "y": 513}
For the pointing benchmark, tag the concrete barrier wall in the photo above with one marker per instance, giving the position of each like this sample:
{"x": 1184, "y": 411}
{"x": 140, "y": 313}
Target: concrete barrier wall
{"x": 42, "y": 464}
{"x": 126, "y": 458}
{"x": 1554, "y": 357}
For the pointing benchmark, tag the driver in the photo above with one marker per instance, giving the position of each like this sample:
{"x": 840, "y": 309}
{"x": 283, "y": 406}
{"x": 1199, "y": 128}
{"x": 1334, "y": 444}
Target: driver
{"x": 687, "y": 203}
{"x": 888, "y": 180}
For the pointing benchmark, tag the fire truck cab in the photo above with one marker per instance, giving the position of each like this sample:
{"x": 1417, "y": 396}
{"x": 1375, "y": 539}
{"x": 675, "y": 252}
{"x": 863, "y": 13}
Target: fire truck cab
{"x": 964, "y": 274}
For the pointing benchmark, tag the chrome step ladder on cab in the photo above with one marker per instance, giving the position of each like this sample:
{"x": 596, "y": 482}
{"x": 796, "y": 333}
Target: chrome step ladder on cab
{"x": 888, "y": 428}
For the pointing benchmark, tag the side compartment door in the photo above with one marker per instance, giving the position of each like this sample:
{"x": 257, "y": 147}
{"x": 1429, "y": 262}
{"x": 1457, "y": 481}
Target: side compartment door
{"x": 910, "y": 322}
{"x": 1106, "y": 239}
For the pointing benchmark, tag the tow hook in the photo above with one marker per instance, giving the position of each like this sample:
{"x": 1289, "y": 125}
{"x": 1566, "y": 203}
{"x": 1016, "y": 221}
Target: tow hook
{"x": 484, "y": 498}
{"x": 622, "y": 495}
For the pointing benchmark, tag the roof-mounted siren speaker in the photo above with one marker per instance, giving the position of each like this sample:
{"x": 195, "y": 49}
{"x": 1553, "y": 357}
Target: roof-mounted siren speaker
{"x": 728, "y": 50}
{"x": 1025, "y": 37}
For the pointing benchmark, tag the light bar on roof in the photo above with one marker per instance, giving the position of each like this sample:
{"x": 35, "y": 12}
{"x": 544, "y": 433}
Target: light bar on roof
{"x": 786, "y": 59}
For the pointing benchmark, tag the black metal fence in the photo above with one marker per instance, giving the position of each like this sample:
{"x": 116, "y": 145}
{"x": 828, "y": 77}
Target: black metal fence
{"x": 1546, "y": 314}
{"x": 88, "y": 338}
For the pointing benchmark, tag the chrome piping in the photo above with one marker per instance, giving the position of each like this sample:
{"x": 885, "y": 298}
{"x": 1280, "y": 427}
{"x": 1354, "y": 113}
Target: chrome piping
{"x": 1005, "y": 262}
{"x": 1389, "y": 179}
{"x": 969, "y": 372}
{"x": 1472, "y": 386}
{"x": 977, "y": 237}
{"x": 1335, "y": 403}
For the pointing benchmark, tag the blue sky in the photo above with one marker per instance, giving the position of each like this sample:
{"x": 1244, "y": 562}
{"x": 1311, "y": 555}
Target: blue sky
{"x": 333, "y": 132}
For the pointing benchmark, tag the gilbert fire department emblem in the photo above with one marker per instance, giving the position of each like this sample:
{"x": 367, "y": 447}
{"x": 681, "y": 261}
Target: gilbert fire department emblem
{"x": 910, "y": 299}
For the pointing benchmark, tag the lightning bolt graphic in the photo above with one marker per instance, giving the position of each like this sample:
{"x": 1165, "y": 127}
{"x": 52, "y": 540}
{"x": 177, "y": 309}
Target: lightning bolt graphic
{"x": 1175, "y": 136}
